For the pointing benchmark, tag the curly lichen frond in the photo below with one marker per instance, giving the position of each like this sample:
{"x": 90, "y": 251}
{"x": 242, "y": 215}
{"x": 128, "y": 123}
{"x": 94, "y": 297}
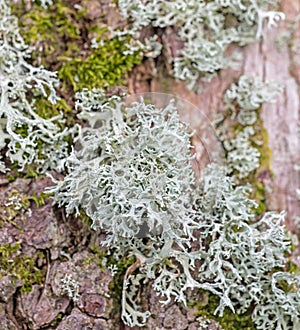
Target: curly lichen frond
{"x": 205, "y": 28}
{"x": 130, "y": 169}
{"x": 20, "y": 84}
{"x": 239, "y": 132}
{"x": 234, "y": 258}
{"x": 130, "y": 172}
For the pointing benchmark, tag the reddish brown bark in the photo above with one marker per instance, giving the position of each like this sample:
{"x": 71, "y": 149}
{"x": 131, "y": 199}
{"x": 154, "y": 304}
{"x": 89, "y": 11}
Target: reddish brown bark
{"x": 48, "y": 231}
{"x": 282, "y": 119}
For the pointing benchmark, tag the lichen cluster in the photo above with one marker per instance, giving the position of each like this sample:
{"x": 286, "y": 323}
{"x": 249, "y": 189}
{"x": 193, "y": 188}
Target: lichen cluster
{"x": 70, "y": 287}
{"x": 240, "y": 129}
{"x": 205, "y": 29}
{"x": 232, "y": 260}
{"x": 22, "y": 129}
{"x": 130, "y": 169}
{"x": 130, "y": 172}
{"x": 127, "y": 167}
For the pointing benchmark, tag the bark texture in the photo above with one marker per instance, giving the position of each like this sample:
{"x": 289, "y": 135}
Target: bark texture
{"x": 275, "y": 58}
{"x": 62, "y": 246}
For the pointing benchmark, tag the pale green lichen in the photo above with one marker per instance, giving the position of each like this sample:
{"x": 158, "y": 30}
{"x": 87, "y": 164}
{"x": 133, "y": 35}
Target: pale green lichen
{"x": 205, "y": 29}
{"x": 136, "y": 165}
{"x": 242, "y": 157}
{"x": 247, "y": 96}
{"x": 241, "y": 131}
{"x": 233, "y": 258}
{"x": 130, "y": 172}
{"x": 20, "y": 84}
{"x": 70, "y": 287}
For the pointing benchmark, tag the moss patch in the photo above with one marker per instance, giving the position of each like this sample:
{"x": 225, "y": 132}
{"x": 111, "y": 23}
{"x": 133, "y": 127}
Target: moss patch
{"x": 229, "y": 320}
{"x": 260, "y": 141}
{"x": 17, "y": 206}
{"x": 106, "y": 66}
{"x": 51, "y": 31}
{"x": 45, "y": 109}
{"x": 62, "y": 35}
{"x": 20, "y": 266}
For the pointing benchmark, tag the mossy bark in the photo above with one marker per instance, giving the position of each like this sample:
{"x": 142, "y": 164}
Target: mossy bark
{"x": 52, "y": 244}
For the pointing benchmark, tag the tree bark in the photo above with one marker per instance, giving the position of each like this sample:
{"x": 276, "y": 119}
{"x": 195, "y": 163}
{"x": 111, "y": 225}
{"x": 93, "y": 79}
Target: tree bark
{"x": 275, "y": 58}
{"x": 62, "y": 246}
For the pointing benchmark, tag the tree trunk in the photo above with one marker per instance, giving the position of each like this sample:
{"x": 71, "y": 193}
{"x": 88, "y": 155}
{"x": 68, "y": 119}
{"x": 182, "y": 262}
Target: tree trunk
{"x": 62, "y": 246}
{"x": 275, "y": 58}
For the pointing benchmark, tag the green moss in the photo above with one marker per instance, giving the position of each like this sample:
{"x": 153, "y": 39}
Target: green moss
{"x": 106, "y": 66}
{"x": 20, "y": 266}
{"x": 122, "y": 266}
{"x": 116, "y": 286}
{"x": 13, "y": 210}
{"x": 259, "y": 195}
{"x": 62, "y": 36}
{"x": 292, "y": 268}
{"x": 259, "y": 186}
{"x": 55, "y": 323}
{"x": 229, "y": 320}
{"x": 98, "y": 255}
{"x": 16, "y": 207}
{"x": 38, "y": 200}
{"x": 50, "y": 30}
{"x": 30, "y": 172}
{"x": 263, "y": 138}
{"x": 45, "y": 109}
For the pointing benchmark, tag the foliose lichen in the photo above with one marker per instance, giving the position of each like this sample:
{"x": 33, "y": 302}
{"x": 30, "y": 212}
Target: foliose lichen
{"x": 205, "y": 29}
{"x": 21, "y": 83}
{"x": 241, "y": 131}
{"x": 70, "y": 287}
{"x": 135, "y": 166}
{"x": 131, "y": 173}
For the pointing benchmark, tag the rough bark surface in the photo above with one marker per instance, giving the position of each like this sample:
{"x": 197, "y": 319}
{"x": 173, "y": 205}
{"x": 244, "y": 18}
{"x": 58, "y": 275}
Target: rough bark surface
{"x": 65, "y": 243}
{"x": 276, "y": 58}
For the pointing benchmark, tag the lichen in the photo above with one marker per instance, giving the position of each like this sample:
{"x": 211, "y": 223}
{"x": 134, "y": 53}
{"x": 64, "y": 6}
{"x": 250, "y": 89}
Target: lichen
{"x": 70, "y": 287}
{"x": 242, "y": 157}
{"x": 20, "y": 84}
{"x": 156, "y": 150}
{"x": 244, "y": 136}
{"x": 58, "y": 34}
{"x": 229, "y": 320}
{"x": 209, "y": 240}
{"x": 129, "y": 170}
{"x": 206, "y": 29}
